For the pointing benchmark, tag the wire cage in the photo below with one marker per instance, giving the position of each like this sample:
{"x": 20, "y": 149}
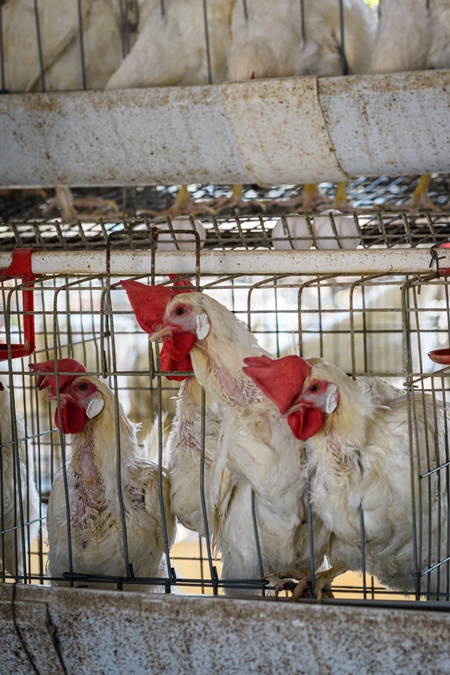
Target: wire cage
{"x": 310, "y": 284}
{"x": 357, "y": 315}
{"x": 365, "y": 288}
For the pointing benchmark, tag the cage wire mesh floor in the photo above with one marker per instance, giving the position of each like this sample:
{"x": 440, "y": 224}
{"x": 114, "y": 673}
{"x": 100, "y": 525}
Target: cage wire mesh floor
{"x": 369, "y": 325}
{"x": 272, "y": 227}
{"x": 382, "y": 193}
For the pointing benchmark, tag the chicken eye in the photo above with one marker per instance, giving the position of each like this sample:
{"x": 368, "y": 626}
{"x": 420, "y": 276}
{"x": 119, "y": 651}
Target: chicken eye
{"x": 180, "y": 311}
{"x": 83, "y": 386}
{"x": 314, "y": 388}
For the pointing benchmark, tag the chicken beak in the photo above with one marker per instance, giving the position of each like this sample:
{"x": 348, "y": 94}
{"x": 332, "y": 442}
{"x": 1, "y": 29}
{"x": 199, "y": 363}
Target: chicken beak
{"x": 295, "y": 408}
{"x": 163, "y": 331}
{"x": 52, "y": 397}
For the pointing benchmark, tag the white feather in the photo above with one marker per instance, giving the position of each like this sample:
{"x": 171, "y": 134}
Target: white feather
{"x": 412, "y": 37}
{"x": 269, "y": 43}
{"x": 170, "y": 50}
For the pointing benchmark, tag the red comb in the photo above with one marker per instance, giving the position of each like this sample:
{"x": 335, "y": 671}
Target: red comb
{"x": 182, "y": 285}
{"x": 149, "y": 303}
{"x": 48, "y": 379}
{"x": 281, "y": 380}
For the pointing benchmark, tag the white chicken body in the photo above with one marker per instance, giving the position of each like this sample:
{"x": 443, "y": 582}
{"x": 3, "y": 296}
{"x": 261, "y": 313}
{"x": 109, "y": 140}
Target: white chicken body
{"x": 262, "y": 455}
{"x": 227, "y": 490}
{"x": 60, "y": 40}
{"x": 253, "y": 449}
{"x": 95, "y": 520}
{"x": 171, "y": 49}
{"x": 183, "y": 454}
{"x": 412, "y": 36}
{"x": 361, "y": 458}
{"x": 11, "y": 548}
{"x": 270, "y": 44}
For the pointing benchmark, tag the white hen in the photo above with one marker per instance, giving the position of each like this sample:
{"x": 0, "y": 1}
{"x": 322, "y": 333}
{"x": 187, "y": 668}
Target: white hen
{"x": 97, "y": 541}
{"x": 413, "y": 35}
{"x": 14, "y": 543}
{"x": 60, "y": 39}
{"x": 272, "y": 42}
{"x": 59, "y": 32}
{"x": 278, "y": 40}
{"x": 360, "y": 457}
{"x": 253, "y": 446}
{"x": 172, "y": 50}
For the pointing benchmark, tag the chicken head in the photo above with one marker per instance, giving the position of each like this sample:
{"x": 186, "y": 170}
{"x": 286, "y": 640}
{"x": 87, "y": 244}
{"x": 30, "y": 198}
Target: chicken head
{"x": 80, "y": 398}
{"x": 149, "y": 305}
{"x": 300, "y": 396}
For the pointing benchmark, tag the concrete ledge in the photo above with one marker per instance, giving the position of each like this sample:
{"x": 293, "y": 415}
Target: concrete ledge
{"x": 111, "y": 632}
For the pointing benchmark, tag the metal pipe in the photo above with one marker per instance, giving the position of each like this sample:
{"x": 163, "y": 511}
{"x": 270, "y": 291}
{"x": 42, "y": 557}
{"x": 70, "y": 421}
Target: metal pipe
{"x": 354, "y": 261}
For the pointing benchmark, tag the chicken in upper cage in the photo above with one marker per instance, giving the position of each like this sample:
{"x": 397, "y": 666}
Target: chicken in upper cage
{"x": 190, "y": 43}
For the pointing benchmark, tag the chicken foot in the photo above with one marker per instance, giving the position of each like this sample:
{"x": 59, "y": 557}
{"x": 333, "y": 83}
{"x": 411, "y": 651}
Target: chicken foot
{"x": 301, "y": 585}
{"x": 310, "y": 199}
{"x": 64, "y": 199}
{"x": 183, "y": 205}
{"x": 420, "y": 200}
{"x": 236, "y": 201}
{"x": 313, "y": 200}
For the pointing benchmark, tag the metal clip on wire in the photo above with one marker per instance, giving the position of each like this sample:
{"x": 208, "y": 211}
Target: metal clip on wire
{"x": 440, "y": 271}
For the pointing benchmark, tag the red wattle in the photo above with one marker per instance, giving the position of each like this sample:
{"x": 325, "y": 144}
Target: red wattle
{"x": 73, "y": 417}
{"x": 169, "y": 364}
{"x": 175, "y": 356}
{"x": 305, "y": 422}
{"x": 181, "y": 344}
